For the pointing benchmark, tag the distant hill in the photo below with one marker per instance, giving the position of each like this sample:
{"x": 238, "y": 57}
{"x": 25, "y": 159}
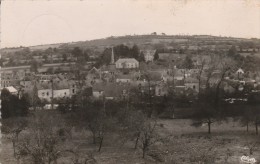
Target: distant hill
{"x": 131, "y": 40}
{"x": 147, "y": 40}
{"x": 46, "y": 46}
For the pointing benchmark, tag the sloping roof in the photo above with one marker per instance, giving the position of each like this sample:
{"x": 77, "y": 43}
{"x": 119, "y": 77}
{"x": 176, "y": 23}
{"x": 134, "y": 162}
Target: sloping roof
{"x": 240, "y": 71}
{"x": 94, "y": 70}
{"x": 11, "y": 89}
{"x": 130, "y": 60}
{"x": 57, "y": 84}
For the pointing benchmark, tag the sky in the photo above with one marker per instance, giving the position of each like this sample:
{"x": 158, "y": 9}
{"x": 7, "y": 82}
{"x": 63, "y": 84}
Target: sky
{"x": 36, "y": 22}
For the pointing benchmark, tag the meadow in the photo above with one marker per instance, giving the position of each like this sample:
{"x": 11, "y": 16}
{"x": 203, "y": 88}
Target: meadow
{"x": 183, "y": 143}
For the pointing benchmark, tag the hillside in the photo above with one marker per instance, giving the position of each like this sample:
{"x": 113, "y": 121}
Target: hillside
{"x": 136, "y": 39}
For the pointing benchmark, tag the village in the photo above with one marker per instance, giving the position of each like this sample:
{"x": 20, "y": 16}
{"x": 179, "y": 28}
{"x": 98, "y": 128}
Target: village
{"x": 162, "y": 70}
{"x": 129, "y": 82}
{"x": 152, "y": 92}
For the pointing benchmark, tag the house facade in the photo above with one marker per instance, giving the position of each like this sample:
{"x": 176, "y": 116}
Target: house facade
{"x": 240, "y": 73}
{"x": 149, "y": 55}
{"x": 129, "y": 63}
{"x": 47, "y": 94}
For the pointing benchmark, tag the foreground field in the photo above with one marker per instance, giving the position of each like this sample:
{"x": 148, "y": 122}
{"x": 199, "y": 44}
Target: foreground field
{"x": 183, "y": 144}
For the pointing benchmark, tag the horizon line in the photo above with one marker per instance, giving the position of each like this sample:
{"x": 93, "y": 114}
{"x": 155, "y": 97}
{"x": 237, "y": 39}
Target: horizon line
{"x": 158, "y": 34}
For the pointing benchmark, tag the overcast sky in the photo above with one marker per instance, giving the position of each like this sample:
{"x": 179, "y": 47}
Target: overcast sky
{"x": 27, "y": 22}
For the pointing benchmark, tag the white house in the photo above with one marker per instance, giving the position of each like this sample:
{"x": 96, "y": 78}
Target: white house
{"x": 240, "y": 73}
{"x": 12, "y": 90}
{"x": 61, "y": 93}
{"x": 47, "y": 93}
{"x": 149, "y": 55}
{"x": 98, "y": 93}
{"x": 127, "y": 63}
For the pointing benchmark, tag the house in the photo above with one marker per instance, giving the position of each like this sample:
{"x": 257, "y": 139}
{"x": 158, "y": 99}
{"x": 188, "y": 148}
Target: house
{"x": 127, "y": 63}
{"x": 59, "y": 93}
{"x": 94, "y": 75}
{"x": 98, "y": 93}
{"x": 240, "y": 73}
{"x": 45, "y": 94}
{"x": 9, "y": 79}
{"x": 73, "y": 87}
{"x": 148, "y": 55}
{"x": 55, "y": 86}
{"x": 109, "y": 90}
{"x": 12, "y": 90}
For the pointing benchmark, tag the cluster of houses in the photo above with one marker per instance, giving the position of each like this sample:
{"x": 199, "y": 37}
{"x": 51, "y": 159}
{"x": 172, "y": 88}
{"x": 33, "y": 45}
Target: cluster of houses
{"x": 119, "y": 78}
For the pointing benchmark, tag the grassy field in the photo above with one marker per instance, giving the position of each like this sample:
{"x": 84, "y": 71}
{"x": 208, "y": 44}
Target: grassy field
{"x": 185, "y": 144}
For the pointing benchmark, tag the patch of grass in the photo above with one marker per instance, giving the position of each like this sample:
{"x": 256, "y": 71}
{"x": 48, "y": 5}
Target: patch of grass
{"x": 186, "y": 144}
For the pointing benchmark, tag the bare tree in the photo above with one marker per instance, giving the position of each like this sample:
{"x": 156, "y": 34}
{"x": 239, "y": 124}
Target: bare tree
{"x": 205, "y": 111}
{"x": 208, "y": 103}
{"x": 96, "y": 119}
{"x": 132, "y": 122}
{"x": 148, "y": 78}
{"x": 250, "y": 112}
{"x": 200, "y": 73}
{"x": 43, "y": 144}
{"x": 14, "y": 127}
{"x": 149, "y": 135}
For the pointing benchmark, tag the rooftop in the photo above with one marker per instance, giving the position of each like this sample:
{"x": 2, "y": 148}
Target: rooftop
{"x": 131, "y": 60}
